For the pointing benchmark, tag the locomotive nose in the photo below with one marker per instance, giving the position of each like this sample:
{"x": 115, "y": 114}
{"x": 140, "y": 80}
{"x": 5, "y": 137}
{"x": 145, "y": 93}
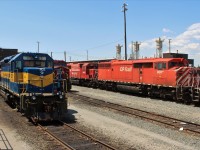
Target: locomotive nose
{"x": 38, "y": 80}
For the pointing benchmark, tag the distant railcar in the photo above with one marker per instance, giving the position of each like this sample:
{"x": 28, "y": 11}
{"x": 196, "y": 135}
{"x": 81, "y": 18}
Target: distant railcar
{"x": 62, "y": 71}
{"x": 27, "y": 82}
{"x": 84, "y": 73}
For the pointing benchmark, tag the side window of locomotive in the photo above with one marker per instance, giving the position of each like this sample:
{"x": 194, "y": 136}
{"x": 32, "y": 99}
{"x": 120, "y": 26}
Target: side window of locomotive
{"x": 104, "y": 66}
{"x": 175, "y": 64}
{"x": 164, "y": 66}
{"x": 49, "y": 64}
{"x": 18, "y": 65}
{"x": 172, "y": 64}
{"x": 148, "y": 65}
{"x": 160, "y": 66}
{"x": 28, "y": 58}
{"x": 137, "y": 65}
{"x": 39, "y": 64}
{"x": 28, "y": 63}
{"x": 42, "y": 58}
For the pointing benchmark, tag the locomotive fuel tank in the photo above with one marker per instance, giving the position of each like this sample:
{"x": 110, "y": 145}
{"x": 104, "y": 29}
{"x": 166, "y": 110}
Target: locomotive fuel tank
{"x": 128, "y": 88}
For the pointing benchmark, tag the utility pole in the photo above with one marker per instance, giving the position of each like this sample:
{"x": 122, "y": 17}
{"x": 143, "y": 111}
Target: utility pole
{"x": 51, "y": 54}
{"x": 170, "y": 45}
{"x": 87, "y": 54}
{"x": 65, "y": 56}
{"x": 38, "y": 46}
{"x": 125, "y": 43}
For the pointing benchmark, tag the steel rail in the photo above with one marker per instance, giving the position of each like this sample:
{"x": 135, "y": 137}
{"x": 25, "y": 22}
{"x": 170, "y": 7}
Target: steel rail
{"x": 92, "y": 138}
{"x": 68, "y": 146}
{"x": 169, "y": 121}
{"x": 64, "y": 144}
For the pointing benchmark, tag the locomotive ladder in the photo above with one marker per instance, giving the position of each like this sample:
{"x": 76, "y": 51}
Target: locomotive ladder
{"x": 197, "y": 91}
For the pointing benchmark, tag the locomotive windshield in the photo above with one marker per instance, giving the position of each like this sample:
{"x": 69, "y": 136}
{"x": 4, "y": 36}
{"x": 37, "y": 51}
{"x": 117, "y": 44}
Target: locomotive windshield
{"x": 37, "y": 61}
{"x": 175, "y": 64}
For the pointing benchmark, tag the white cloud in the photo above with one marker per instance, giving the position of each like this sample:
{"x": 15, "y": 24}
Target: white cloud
{"x": 194, "y": 26}
{"x": 186, "y": 42}
{"x": 165, "y": 30}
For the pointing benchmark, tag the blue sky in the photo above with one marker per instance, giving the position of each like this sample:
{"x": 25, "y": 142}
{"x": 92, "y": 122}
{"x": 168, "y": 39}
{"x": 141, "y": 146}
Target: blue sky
{"x": 96, "y": 26}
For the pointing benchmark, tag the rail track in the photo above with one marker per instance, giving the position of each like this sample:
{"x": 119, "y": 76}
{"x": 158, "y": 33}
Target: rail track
{"x": 174, "y": 123}
{"x": 71, "y": 138}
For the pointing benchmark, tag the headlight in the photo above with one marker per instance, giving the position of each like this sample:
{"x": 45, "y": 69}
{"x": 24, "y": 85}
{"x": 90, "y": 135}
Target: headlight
{"x": 61, "y": 96}
{"x": 33, "y": 97}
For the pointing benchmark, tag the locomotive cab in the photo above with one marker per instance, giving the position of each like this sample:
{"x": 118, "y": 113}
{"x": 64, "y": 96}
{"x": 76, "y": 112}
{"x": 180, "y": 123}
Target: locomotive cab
{"x": 177, "y": 64}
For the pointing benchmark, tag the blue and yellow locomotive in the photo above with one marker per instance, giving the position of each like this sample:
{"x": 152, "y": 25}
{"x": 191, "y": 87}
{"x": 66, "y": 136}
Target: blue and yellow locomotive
{"x": 27, "y": 81}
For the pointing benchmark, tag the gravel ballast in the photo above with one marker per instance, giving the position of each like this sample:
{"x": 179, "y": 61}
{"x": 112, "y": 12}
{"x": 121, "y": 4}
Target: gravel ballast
{"x": 134, "y": 133}
{"x": 172, "y": 109}
{"x": 21, "y": 133}
{"x": 119, "y": 130}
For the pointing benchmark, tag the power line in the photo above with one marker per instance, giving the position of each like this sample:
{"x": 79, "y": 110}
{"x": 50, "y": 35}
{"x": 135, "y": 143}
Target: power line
{"x": 103, "y": 45}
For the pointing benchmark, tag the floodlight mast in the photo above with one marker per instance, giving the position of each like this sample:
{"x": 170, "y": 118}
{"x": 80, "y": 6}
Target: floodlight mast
{"x": 169, "y": 45}
{"x": 38, "y": 46}
{"x": 125, "y": 43}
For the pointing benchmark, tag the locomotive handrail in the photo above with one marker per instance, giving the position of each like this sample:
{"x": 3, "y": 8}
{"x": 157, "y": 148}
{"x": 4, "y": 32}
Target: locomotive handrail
{"x": 63, "y": 83}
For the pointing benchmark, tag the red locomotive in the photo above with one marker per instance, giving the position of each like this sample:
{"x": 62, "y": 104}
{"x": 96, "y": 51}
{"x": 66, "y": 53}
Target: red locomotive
{"x": 61, "y": 71}
{"x": 83, "y": 73}
{"x": 155, "y": 77}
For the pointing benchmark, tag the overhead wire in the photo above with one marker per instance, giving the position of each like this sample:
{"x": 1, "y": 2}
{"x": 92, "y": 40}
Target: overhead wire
{"x": 91, "y": 48}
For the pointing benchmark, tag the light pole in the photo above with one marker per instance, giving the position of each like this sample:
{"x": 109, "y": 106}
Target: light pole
{"x": 125, "y": 44}
{"x": 170, "y": 45}
{"x": 65, "y": 56}
{"x": 38, "y": 46}
{"x": 87, "y": 54}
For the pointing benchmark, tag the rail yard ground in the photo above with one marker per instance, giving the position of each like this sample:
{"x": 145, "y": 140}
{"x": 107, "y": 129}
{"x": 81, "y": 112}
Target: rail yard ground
{"x": 134, "y": 133}
{"x": 120, "y": 131}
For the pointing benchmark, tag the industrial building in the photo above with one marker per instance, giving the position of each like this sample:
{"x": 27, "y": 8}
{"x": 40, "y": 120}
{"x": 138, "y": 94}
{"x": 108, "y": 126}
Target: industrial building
{"x": 179, "y": 55}
{"x": 4, "y": 52}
